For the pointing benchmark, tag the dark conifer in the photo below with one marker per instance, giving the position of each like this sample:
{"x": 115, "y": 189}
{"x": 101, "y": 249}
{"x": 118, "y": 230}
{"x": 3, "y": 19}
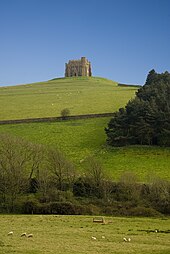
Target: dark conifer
{"x": 146, "y": 119}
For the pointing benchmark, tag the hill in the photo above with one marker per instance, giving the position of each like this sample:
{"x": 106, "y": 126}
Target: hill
{"x": 79, "y": 139}
{"x": 82, "y": 95}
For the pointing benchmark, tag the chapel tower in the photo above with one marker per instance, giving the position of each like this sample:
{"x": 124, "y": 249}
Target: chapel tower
{"x": 76, "y": 68}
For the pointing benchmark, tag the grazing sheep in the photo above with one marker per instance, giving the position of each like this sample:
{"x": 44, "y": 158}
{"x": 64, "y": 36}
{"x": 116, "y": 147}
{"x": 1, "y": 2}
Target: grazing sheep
{"x": 126, "y": 239}
{"x": 103, "y": 237}
{"x": 93, "y": 237}
{"x": 24, "y": 234}
{"x": 30, "y": 235}
{"x": 10, "y": 233}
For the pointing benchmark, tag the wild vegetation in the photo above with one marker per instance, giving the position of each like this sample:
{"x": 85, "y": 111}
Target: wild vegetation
{"x": 37, "y": 179}
{"x": 146, "y": 119}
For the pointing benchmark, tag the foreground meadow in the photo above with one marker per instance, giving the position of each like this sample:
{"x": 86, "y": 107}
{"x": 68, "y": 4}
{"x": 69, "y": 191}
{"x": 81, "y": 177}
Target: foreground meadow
{"x": 73, "y": 234}
{"x": 79, "y": 139}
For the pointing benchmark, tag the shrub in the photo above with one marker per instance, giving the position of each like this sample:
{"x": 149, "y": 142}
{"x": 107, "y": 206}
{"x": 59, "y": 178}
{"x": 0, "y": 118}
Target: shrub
{"x": 62, "y": 208}
{"x": 65, "y": 113}
{"x": 30, "y": 205}
{"x": 143, "y": 211}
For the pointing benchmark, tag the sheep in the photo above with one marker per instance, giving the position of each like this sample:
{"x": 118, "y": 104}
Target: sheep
{"x": 126, "y": 239}
{"x": 10, "y": 233}
{"x": 93, "y": 237}
{"x": 24, "y": 234}
{"x": 103, "y": 237}
{"x": 30, "y": 235}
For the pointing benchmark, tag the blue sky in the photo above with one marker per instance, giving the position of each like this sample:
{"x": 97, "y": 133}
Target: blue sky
{"x": 123, "y": 39}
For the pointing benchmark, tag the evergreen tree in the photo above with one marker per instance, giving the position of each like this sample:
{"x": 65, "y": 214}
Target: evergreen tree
{"x": 146, "y": 119}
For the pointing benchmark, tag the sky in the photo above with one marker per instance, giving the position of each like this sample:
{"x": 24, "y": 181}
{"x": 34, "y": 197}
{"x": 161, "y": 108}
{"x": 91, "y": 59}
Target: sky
{"x": 123, "y": 39}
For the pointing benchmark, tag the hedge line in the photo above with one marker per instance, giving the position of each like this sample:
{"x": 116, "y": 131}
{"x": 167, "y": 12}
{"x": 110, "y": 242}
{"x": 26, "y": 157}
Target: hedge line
{"x": 55, "y": 119}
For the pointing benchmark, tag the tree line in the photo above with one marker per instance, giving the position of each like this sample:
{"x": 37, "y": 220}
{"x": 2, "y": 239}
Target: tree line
{"x": 145, "y": 120}
{"x": 38, "y": 179}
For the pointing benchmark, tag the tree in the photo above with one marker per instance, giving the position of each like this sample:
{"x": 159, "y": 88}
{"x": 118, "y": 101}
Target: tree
{"x": 19, "y": 159}
{"x": 65, "y": 113}
{"x": 44, "y": 184}
{"x": 13, "y": 176}
{"x": 146, "y": 119}
{"x": 159, "y": 194}
{"x": 128, "y": 188}
{"x": 95, "y": 175}
{"x": 62, "y": 169}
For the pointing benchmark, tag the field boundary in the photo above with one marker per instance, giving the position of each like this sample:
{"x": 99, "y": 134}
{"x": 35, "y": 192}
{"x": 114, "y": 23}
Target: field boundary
{"x": 55, "y": 119}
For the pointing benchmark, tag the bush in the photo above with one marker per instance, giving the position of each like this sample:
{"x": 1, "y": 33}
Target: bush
{"x": 143, "y": 211}
{"x": 65, "y": 113}
{"x": 62, "y": 208}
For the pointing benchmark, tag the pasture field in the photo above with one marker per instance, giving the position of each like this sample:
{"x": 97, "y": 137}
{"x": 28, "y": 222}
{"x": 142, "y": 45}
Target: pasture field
{"x": 73, "y": 235}
{"x": 79, "y": 139}
{"x": 82, "y": 95}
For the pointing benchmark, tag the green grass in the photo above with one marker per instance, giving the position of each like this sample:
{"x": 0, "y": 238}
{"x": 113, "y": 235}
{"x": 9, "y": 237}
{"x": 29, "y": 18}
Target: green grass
{"x": 81, "y": 95}
{"x": 81, "y": 138}
{"x": 72, "y": 235}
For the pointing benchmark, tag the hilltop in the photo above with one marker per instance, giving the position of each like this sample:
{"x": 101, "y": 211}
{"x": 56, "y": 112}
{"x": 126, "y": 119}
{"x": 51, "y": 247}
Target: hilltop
{"x": 82, "y": 95}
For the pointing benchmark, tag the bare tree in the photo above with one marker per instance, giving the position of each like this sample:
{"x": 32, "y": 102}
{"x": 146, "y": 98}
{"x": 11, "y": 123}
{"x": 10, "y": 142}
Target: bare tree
{"x": 96, "y": 175}
{"x": 159, "y": 194}
{"x": 36, "y": 155}
{"x": 129, "y": 189}
{"x": 13, "y": 160}
{"x": 44, "y": 179}
{"x": 18, "y": 161}
{"x": 95, "y": 171}
{"x": 62, "y": 169}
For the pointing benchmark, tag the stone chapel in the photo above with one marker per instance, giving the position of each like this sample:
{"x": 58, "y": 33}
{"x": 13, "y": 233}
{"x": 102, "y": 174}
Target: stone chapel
{"x": 76, "y": 68}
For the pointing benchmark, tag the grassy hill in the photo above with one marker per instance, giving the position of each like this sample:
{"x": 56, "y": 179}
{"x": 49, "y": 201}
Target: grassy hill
{"x": 82, "y": 95}
{"x": 81, "y": 138}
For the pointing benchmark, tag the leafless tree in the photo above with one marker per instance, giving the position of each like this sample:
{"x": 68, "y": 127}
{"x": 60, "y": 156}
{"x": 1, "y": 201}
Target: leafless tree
{"x": 62, "y": 169}
{"x": 95, "y": 171}
{"x": 18, "y": 160}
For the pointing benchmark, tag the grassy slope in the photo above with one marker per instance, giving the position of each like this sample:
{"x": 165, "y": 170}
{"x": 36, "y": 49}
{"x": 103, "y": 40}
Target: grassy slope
{"x": 81, "y": 95}
{"x": 72, "y": 235}
{"x": 81, "y": 138}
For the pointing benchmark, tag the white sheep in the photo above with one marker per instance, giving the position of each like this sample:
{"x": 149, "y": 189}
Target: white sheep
{"x": 24, "y": 234}
{"x": 93, "y": 237}
{"x": 30, "y": 235}
{"x": 10, "y": 233}
{"x": 126, "y": 239}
